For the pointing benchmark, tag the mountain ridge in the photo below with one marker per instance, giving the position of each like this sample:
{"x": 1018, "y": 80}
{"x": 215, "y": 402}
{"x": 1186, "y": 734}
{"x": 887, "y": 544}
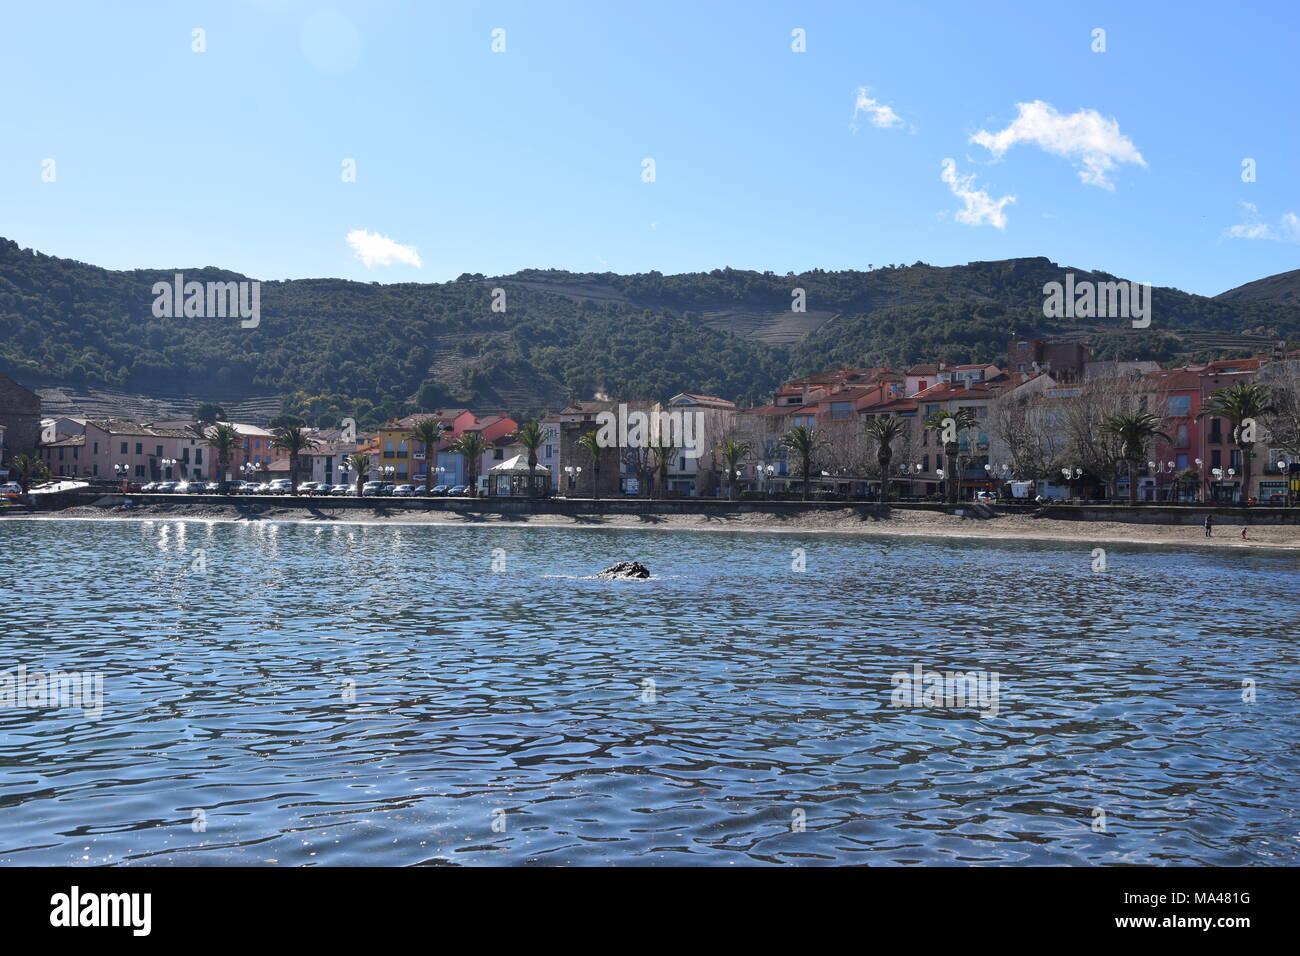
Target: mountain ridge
{"x": 333, "y": 348}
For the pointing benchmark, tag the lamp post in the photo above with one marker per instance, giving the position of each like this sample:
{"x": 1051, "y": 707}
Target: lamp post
{"x": 168, "y": 464}
{"x": 1070, "y": 477}
{"x": 573, "y": 472}
{"x": 1200, "y": 479}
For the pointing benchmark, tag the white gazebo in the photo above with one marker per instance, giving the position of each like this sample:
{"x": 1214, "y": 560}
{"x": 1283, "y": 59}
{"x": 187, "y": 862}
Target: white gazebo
{"x": 510, "y": 479}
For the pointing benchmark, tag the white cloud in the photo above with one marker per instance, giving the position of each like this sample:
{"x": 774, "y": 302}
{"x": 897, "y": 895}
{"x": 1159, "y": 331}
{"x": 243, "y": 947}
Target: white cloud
{"x": 980, "y": 208}
{"x": 376, "y": 250}
{"x": 1086, "y": 137}
{"x": 1286, "y": 230}
{"x": 878, "y": 113}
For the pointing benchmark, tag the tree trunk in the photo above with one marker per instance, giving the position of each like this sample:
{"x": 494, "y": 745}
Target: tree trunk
{"x": 1132, "y": 485}
{"x": 293, "y": 473}
{"x": 1245, "y": 476}
{"x": 884, "y": 461}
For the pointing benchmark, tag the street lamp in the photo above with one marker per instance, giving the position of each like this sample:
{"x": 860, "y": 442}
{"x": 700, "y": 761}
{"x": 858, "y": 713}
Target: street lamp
{"x": 573, "y": 471}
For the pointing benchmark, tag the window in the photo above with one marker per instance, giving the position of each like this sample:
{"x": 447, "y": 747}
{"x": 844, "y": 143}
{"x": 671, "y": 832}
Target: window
{"x": 1180, "y": 406}
{"x": 248, "y": 444}
{"x": 1235, "y": 459}
{"x": 1181, "y": 436}
{"x": 1216, "y": 431}
{"x": 124, "y": 448}
{"x": 96, "y": 448}
{"x": 925, "y": 462}
{"x": 198, "y": 456}
{"x": 550, "y": 451}
{"x": 139, "y": 448}
{"x": 1182, "y": 462}
{"x": 158, "y": 452}
{"x": 94, "y": 470}
{"x": 1216, "y": 458}
{"x": 139, "y": 471}
{"x": 841, "y": 410}
{"x": 401, "y": 449}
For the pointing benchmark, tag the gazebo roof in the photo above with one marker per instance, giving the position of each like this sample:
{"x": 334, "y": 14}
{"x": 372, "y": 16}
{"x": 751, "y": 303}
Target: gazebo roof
{"x": 517, "y": 466}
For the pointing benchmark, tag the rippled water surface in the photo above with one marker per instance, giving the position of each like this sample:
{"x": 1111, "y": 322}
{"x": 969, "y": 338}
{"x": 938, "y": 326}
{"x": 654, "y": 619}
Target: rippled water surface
{"x": 351, "y": 694}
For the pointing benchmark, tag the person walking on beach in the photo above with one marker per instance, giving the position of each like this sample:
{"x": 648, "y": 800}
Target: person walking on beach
{"x": 1243, "y": 532}
{"x": 1209, "y": 524}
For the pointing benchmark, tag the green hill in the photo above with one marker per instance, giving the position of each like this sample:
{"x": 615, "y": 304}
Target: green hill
{"x": 329, "y": 348}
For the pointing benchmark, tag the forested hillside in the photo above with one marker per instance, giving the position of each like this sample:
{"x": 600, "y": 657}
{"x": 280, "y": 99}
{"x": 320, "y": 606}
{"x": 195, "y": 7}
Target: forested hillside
{"x": 332, "y": 348}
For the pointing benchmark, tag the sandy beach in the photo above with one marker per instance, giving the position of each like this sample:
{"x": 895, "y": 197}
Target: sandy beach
{"x": 1014, "y": 527}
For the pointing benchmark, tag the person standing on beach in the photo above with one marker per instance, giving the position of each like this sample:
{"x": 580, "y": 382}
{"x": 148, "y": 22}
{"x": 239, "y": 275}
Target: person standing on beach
{"x": 1209, "y": 524}
{"x": 1243, "y": 532}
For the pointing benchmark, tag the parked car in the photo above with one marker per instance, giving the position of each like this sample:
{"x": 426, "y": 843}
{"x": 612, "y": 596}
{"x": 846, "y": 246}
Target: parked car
{"x": 165, "y": 487}
{"x": 149, "y": 486}
{"x": 212, "y": 487}
{"x": 373, "y": 489}
{"x": 440, "y": 489}
{"x": 458, "y": 491}
{"x": 404, "y": 491}
{"x": 280, "y": 486}
{"x": 10, "y": 490}
{"x": 987, "y": 497}
{"x": 338, "y": 490}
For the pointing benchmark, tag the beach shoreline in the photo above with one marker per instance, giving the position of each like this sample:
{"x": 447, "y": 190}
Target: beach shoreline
{"x": 899, "y": 523}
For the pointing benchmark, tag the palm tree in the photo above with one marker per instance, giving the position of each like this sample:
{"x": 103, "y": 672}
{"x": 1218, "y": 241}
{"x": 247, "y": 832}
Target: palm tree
{"x": 470, "y": 446}
{"x": 1238, "y": 403}
{"x": 591, "y": 445}
{"x": 885, "y": 431}
{"x": 428, "y": 433}
{"x": 733, "y": 452}
{"x": 360, "y": 463}
{"x": 803, "y": 442}
{"x": 1135, "y": 430}
{"x": 223, "y": 441}
{"x": 28, "y": 468}
{"x": 294, "y": 440}
{"x": 664, "y": 452}
{"x": 532, "y": 436}
{"x": 963, "y": 419}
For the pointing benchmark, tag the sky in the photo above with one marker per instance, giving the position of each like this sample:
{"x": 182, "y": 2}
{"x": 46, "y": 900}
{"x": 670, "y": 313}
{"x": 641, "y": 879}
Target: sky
{"x": 413, "y": 142}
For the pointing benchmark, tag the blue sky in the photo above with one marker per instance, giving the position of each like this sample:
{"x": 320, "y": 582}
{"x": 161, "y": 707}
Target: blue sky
{"x": 473, "y": 161}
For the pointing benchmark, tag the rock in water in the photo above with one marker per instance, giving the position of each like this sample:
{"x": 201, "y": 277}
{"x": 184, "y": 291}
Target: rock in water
{"x": 625, "y": 569}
